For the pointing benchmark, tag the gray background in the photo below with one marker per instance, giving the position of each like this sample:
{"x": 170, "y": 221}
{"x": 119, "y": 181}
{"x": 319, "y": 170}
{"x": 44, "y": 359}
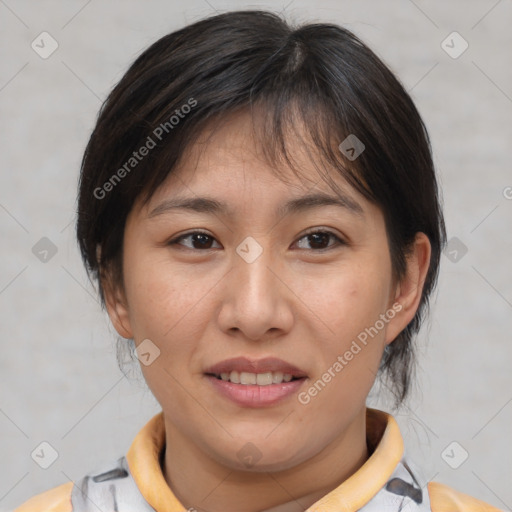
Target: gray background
{"x": 60, "y": 381}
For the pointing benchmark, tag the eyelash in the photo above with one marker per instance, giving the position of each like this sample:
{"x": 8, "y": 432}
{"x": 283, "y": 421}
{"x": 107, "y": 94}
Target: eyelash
{"x": 338, "y": 241}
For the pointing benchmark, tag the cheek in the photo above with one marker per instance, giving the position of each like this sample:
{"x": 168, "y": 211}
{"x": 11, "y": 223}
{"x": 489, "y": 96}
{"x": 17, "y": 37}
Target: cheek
{"x": 166, "y": 308}
{"x": 351, "y": 298}
{"x": 349, "y": 354}
{"x": 349, "y": 305}
{"x": 159, "y": 295}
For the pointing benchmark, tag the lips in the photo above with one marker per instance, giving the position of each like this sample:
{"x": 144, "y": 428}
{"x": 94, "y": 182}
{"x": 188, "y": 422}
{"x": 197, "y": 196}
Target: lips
{"x": 265, "y": 365}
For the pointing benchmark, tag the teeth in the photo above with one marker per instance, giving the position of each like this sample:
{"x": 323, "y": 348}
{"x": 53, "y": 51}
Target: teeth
{"x": 264, "y": 379}
{"x": 277, "y": 377}
{"x": 261, "y": 379}
{"x": 247, "y": 378}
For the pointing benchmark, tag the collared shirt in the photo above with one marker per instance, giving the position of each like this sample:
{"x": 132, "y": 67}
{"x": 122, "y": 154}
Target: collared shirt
{"x": 386, "y": 482}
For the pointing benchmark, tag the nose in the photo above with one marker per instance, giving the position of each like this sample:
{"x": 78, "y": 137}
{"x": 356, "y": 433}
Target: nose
{"x": 256, "y": 300}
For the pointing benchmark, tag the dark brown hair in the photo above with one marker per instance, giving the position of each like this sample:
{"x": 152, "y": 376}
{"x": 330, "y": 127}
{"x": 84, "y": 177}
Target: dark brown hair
{"x": 319, "y": 75}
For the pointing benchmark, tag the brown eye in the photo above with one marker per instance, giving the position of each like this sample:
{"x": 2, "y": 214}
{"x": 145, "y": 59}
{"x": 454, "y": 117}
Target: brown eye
{"x": 197, "y": 240}
{"x": 319, "y": 240}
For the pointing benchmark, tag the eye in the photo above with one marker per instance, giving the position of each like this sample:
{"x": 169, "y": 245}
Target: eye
{"x": 197, "y": 240}
{"x": 319, "y": 238}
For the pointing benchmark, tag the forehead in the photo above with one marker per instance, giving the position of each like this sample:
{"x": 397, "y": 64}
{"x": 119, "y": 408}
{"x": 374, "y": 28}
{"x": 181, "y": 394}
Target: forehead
{"x": 229, "y": 157}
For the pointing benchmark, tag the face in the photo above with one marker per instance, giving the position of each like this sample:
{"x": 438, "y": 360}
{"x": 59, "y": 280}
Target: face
{"x": 305, "y": 285}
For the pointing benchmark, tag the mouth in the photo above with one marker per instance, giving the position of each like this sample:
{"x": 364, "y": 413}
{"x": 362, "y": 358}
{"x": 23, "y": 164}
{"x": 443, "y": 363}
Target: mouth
{"x": 255, "y": 383}
{"x": 260, "y": 379}
{"x": 262, "y": 372}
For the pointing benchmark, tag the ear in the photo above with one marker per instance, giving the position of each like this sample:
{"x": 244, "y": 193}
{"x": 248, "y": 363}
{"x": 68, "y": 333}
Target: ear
{"x": 408, "y": 291}
{"x": 116, "y": 304}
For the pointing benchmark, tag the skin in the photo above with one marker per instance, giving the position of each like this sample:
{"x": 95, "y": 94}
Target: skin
{"x": 295, "y": 302}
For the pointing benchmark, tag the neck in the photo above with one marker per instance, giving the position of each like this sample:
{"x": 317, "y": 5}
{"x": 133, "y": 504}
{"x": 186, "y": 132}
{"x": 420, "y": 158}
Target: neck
{"x": 202, "y": 483}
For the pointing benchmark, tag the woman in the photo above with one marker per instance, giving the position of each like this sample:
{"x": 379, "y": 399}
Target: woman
{"x": 259, "y": 206}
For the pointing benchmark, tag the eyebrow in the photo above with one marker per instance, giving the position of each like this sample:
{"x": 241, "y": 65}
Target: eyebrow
{"x": 300, "y": 204}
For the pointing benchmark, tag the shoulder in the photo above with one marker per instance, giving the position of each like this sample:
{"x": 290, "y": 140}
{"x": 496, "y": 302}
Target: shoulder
{"x": 446, "y": 499}
{"x": 57, "y": 499}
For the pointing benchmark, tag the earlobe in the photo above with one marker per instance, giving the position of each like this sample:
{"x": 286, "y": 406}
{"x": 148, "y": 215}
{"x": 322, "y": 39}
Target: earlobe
{"x": 117, "y": 308}
{"x": 409, "y": 290}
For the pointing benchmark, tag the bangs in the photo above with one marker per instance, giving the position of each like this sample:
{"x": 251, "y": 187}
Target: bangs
{"x": 290, "y": 105}
{"x": 291, "y": 136}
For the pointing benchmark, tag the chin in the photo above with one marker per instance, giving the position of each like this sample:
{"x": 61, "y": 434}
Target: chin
{"x": 263, "y": 465}
{"x": 261, "y": 457}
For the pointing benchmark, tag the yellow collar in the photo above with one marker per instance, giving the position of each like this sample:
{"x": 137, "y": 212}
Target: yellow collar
{"x": 382, "y": 431}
